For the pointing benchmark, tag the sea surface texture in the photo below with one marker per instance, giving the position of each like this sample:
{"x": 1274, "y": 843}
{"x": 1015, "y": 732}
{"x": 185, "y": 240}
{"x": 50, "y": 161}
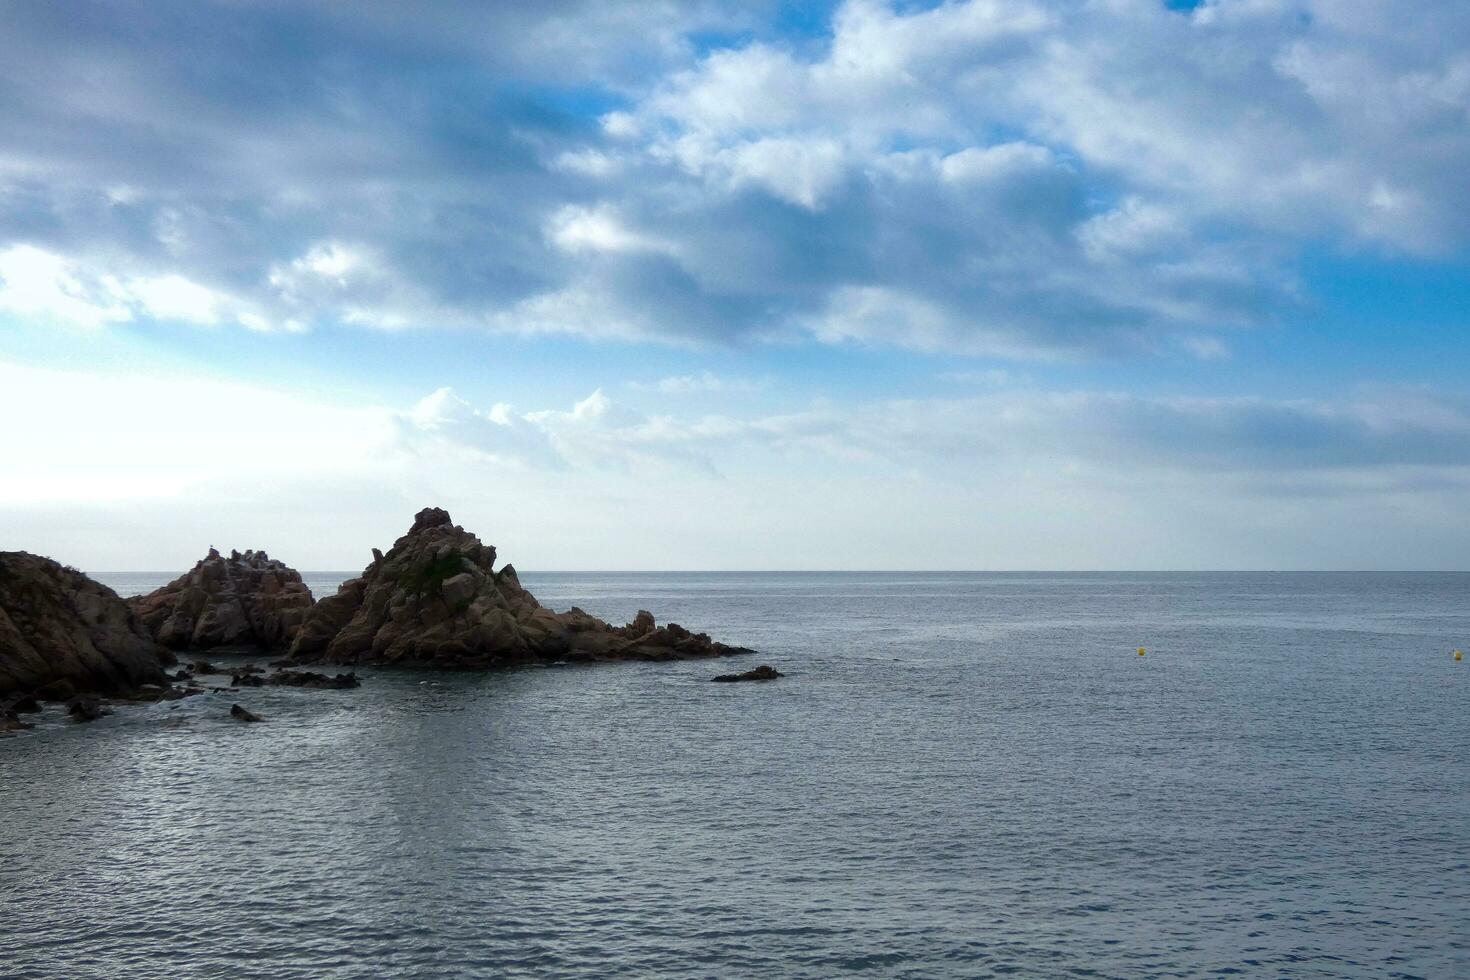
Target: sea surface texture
{"x": 962, "y": 775}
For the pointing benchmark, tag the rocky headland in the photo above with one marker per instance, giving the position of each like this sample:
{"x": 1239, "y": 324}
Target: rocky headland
{"x": 436, "y": 600}
{"x": 63, "y": 634}
{"x": 247, "y": 599}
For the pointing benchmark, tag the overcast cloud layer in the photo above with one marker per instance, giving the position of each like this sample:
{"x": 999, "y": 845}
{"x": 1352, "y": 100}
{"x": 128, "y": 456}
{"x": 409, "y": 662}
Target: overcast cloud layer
{"x": 1011, "y": 177}
{"x": 991, "y": 181}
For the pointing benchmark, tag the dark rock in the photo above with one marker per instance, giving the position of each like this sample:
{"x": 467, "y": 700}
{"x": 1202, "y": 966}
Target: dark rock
{"x": 204, "y": 667}
{"x": 246, "y": 680}
{"x": 57, "y": 690}
{"x": 435, "y": 599}
{"x": 151, "y": 692}
{"x": 85, "y": 708}
{"x": 761, "y": 673}
{"x": 10, "y": 721}
{"x": 430, "y": 517}
{"x": 182, "y": 675}
{"x": 245, "y": 599}
{"x": 642, "y": 624}
{"x": 306, "y": 678}
{"x": 61, "y": 633}
{"x": 243, "y": 714}
{"x": 25, "y": 704}
{"x": 246, "y": 669}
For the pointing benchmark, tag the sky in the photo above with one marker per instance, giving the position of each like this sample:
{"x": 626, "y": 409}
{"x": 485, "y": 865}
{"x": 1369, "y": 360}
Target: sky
{"x": 979, "y": 284}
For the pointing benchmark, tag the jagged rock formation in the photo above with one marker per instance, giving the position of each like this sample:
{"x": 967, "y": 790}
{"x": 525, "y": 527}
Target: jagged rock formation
{"x": 61, "y": 633}
{"x": 435, "y": 600}
{"x": 246, "y": 599}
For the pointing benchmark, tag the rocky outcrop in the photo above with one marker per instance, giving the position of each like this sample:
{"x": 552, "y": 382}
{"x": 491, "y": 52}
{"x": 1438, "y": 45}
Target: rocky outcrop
{"x": 764, "y": 672}
{"x": 247, "y": 599}
{"x": 62, "y": 633}
{"x": 435, "y": 599}
{"x": 298, "y": 678}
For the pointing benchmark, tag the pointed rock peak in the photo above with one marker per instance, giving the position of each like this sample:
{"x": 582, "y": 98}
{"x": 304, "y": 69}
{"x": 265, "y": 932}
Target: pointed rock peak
{"x": 642, "y": 624}
{"x": 430, "y": 517}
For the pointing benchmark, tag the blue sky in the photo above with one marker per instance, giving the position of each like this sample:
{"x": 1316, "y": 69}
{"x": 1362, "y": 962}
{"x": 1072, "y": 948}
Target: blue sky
{"x": 1068, "y": 284}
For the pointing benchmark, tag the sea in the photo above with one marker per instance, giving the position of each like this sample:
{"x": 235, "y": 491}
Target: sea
{"x": 960, "y": 775}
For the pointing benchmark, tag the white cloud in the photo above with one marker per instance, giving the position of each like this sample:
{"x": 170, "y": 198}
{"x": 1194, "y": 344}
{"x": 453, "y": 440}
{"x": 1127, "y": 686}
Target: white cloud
{"x": 599, "y": 229}
{"x": 704, "y": 381}
{"x": 72, "y": 452}
{"x": 173, "y": 297}
{"x": 44, "y": 286}
{"x": 1011, "y": 477}
{"x": 41, "y": 284}
{"x": 990, "y": 163}
{"x": 587, "y": 163}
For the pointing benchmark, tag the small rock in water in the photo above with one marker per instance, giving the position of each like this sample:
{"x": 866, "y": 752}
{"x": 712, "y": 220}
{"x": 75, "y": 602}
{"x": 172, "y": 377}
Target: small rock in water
{"x": 247, "y": 680}
{"x": 243, "y": 714}
{"x": 203, "y": 667}
{"x": 10, "y": 721}
{"x": 762, "y": 673}
{"x": 86, "y": 708}
{"x": 307, "y": 678}
{"x": 25, "y": 704}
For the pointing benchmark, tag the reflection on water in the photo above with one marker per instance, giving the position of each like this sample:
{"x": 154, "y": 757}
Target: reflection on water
{"x": 962, "y": 775}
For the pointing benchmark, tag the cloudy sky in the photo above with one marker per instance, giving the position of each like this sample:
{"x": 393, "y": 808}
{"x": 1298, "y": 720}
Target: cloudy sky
{"x": 987, "y": 284}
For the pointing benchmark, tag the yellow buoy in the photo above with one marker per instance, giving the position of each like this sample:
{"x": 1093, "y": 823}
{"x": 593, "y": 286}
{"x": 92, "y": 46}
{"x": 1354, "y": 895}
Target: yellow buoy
{"x": 1141, "y": 651}
{"x": 1459, "y": 655}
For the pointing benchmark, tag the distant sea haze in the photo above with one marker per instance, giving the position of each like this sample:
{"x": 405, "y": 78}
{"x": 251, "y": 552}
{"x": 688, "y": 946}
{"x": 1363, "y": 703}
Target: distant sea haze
{"x": 961, "y": 774}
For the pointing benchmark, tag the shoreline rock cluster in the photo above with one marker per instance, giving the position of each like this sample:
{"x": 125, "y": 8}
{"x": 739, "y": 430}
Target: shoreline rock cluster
{"x": 435, "y": 600}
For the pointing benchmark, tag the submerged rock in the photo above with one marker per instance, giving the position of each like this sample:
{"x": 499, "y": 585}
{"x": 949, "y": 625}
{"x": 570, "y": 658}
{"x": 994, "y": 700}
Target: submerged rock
{"x": 246, "y": 599}
{"x": 61, "y": 633}
{"x": 25, "y": 704}
{"x": 435, "y": 599}
{"x": 306, "y": 678}
{"x": 86, "y": 708}
{"x": 243, "y": 714}
{"x": 10, "y": 721}
{"x": 762, "y": 673}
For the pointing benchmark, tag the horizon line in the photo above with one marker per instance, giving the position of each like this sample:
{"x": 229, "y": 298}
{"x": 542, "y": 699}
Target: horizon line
{"x": 900, "y": 571}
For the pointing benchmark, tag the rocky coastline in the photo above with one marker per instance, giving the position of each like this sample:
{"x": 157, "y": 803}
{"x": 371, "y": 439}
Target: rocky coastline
{"x": 434, "y": 600}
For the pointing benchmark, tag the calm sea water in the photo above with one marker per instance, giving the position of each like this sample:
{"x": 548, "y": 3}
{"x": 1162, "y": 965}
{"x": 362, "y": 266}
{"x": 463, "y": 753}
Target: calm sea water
{"x": 964, "y": 775}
